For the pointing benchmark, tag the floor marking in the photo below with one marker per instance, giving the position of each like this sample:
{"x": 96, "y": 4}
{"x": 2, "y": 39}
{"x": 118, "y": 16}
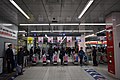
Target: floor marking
{"x": 95, "y": 74}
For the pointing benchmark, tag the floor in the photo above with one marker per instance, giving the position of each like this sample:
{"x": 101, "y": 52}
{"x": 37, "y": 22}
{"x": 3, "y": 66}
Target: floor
{"x": 66, "y": 72}
{"x": 55, "y": 73}
{"x": 63, "y": 73}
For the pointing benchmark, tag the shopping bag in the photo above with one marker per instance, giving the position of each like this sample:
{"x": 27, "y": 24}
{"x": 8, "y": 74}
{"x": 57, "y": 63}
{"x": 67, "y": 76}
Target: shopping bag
{"x": 19, "y": 69}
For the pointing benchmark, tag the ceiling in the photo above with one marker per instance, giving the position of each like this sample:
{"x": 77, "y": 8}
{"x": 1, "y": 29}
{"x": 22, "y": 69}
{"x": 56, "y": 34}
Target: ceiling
{"x": 58, "y": 11}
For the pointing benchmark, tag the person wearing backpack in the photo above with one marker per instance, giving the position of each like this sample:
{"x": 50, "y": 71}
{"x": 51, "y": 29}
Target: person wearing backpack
{"x": 81, "y": 55}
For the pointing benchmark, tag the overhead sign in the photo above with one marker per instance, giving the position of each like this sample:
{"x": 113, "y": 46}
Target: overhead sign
{"x": 30, "y": 40}
{"x": 8, "y": 33}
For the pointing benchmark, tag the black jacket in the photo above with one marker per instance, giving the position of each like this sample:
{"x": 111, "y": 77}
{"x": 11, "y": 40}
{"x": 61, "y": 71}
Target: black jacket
{"x": 9, "y": 54}
{"x": 20, "y": 57}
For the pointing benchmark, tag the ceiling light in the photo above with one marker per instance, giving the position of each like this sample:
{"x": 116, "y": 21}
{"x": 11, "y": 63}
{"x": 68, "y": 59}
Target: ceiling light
{"x": 40, "y": 31}
{"x": 66, "y": 31}
{"x": 63, "y": 39}
{"x": 101, "y": 31}
{"x": 95, "y": 24}
{"x": 46, "y": 36}
{"x": 19, "y": 9}
{"x": 33, "y": 24}
{"x": 85, "y": 9}
{"x": 6, "y": 24}
{"x": 92, "y": 35}
{"x": 65, "y": 24}
{"x": 22, "y": 31}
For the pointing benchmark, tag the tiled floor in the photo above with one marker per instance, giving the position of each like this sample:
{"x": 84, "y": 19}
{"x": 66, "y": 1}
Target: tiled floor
{"x": 55, "y": 73}
{"x": 70, "y": 72}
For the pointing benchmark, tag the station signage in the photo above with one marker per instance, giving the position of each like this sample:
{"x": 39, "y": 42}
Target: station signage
{"x": 8, "y": 33}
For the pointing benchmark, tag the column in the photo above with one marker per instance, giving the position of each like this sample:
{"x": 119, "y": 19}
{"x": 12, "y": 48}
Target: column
{"x": 113, "y": 44}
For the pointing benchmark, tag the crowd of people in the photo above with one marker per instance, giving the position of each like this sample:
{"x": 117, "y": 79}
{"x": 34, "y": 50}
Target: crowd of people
{"x": 24, "y": 57}
{"x": 13, "y": 61}
{"x": 97, "y": 54}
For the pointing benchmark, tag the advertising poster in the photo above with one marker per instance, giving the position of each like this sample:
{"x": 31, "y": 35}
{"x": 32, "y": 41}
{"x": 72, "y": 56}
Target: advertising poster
{"x": 59, "y": 39}
{"x": 110, "y": 50}
{"x": 50, "y": 39}
{"x": 30, "y": 40}
{"x": 69, "y": 39}
{"x": 40, "y": 39}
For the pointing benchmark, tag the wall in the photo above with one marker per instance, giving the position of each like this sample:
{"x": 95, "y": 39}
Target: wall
{"x": 8, "y": 40}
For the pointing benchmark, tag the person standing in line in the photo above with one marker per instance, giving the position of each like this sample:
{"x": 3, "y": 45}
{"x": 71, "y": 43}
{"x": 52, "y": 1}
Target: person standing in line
{"x": 94, "y": 51}
{"x": 26, "y": 54}
{"x": 20, "y": 59}
{"x": 81, "y": 55}
{"x": 50, "y": 52}
{"x": 10, "y": 59}
{"x": 31, "y": 53}
{"x": 61, "y": 55}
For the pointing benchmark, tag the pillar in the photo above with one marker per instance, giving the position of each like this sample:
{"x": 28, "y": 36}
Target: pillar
{"x": 113, "y": 44}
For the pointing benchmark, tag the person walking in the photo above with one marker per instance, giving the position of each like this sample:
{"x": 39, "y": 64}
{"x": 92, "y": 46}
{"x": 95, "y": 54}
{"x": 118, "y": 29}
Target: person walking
{"x": 10, "y": 59}
{"x": 94, "y": 56}
{"x": 81, "y": 55}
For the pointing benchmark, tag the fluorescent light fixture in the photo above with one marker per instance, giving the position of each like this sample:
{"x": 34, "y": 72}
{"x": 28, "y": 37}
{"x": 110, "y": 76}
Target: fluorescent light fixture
{"x": 46, "y": 36}
{"x": 40, "y": 31}
{"x": 6, "y": 24}
{"x": 66, "y": 31}
{"x": 23, "y": 35}
{"x": 63, "y": 39}
{"x": 64, "y": 24}
{"x": 92, "y": 35}
{"x": 95, "y": 24}
{"x": 86, "y": 8}
{"x": 22, "y": 31}
{"x": 13, "y": 2}
{"x": 33, "y": 24}
{"x": 101, "y": 31}
{"x": 118, "y": 25}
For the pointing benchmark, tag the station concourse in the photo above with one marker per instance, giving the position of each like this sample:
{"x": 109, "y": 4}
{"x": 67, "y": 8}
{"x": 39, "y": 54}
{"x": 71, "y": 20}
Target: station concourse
{"x": 59, "y": 39}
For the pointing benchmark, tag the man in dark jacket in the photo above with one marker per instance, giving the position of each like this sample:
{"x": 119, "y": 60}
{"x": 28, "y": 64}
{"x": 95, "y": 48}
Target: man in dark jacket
{"x": 20, "y": 57}
{"x": 62, "y": 54}
{"x": 81, "y": 55}
{"x": 94, "y": 56}
{"x": 31, "y": 53}
{"x": 10, "y": 59}
{"x": 50, "y": 52}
